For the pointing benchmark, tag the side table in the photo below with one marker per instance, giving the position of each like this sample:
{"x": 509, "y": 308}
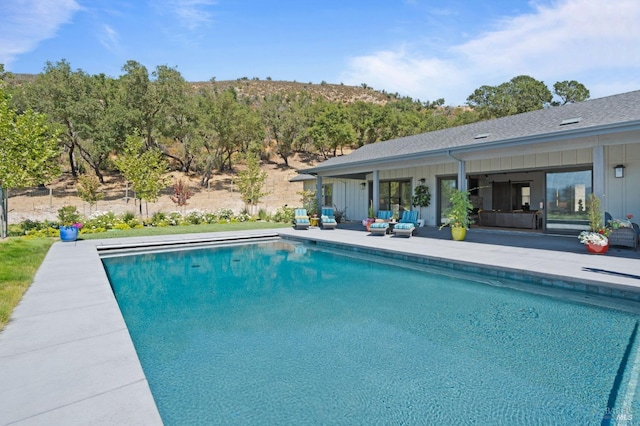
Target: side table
{"x": 391, "y": 226}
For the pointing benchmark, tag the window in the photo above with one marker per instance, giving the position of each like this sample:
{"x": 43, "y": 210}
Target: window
{"x": 525, "y": 197}
{"x": 327, "y": 195}
{"x": 395, "y": 195}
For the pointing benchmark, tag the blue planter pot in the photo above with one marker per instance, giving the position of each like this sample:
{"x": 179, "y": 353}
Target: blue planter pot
{"x": 68, "y": 233}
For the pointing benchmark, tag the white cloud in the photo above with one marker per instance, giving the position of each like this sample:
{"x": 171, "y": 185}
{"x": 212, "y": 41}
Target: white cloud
{"x": 595, "y": 40}
{"x": 26, "y": 23}
{"x": 403, "y": 73}
{"x": 572, "y": 36}
{"x": 189, "y": 13}
{"x": 109, "y": 38}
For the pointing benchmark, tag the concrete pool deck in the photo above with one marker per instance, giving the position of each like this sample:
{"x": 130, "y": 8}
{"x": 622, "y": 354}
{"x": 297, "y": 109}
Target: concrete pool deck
{"x": 66, "y": 356}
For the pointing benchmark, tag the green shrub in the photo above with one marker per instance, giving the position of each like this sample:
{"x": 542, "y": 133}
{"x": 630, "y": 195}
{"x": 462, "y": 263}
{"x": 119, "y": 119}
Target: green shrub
{"x": 103, "y": 220}
{"x": 263, "y": 215}
{"x": 42, "y": 232}
{"x": 210, "y": 218}
{"x": 224, "y": 214}
{"x": 193, "y": 218}
{"x": 68, "y": 215}
{"x": 284, "y": 214}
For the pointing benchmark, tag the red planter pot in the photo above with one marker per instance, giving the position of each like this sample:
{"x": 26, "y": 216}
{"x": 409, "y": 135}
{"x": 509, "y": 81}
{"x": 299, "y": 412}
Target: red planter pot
{"x": 596, "y": 249}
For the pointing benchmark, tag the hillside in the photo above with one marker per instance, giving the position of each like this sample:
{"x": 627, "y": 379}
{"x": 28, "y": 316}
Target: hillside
{"x": 254, "y": 88}
{"x": 332, "y": 92}
{"x": 43, "y": 203}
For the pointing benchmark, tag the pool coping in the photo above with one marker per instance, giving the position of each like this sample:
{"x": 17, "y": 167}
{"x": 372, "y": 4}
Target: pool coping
{"x": 66, "y": 355}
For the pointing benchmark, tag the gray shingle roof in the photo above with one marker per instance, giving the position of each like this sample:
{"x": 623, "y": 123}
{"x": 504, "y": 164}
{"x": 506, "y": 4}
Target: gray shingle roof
{"x": 599, "y": 115}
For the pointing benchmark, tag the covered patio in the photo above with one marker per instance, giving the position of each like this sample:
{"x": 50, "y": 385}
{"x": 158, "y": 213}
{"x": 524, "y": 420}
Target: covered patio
{"x": 531, "y": 239}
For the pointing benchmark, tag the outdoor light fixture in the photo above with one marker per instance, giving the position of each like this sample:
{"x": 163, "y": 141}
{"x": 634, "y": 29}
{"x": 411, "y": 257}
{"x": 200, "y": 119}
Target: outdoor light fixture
{"x": 363, "y": 185}
{"x": 618, "y": 171}
{"x": 422, "y": 181}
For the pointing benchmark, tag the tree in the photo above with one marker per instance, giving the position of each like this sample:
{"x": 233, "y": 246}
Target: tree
{"x": 144, "y": 169}
{"x": 286, "y": 120}
{"x": 86, "y": 109}
{"x": 570, "y": 92}
{"x": 60, "y": 93}
{"x": 28, "y": 152}
{"x": 366, "y": 119}
{"x": 89, "y": 190}
{"x": 250, "y": 182}
{"x": 520, "y": 94}
{"x": 139, "y": 101}
{"x": 101, "y": 124}
{"x": 229, "y": 126}
{"x": 180, "y": 117}
{"x": 332, "y": 130}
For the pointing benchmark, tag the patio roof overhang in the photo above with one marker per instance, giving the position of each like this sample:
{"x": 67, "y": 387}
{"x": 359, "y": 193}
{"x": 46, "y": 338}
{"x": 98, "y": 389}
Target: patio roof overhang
{"x": 548, "y": 142}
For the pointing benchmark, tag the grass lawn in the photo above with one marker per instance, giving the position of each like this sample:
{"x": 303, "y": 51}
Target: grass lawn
{"x": 20, "y": 258}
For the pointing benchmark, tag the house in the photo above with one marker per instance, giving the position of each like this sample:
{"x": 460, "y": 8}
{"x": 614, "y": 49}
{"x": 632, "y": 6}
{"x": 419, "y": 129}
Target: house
{"x": 546, "y": 162}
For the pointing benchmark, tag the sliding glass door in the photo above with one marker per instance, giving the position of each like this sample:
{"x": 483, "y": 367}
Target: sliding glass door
{"x": 445, "y": 186}
{"x": 395, "y": 195}
{"x": 566, "y": 200}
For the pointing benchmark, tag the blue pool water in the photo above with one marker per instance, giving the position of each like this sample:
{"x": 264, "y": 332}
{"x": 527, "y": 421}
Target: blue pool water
{"x": 282, "y": 333}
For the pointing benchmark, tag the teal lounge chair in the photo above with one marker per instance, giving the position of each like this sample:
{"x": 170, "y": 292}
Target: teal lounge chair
{"x": 327, "y": 219}
{"x": 407, "y": 223}
{"x": 384, "y": 214}
{"x": 381, "y": 227}
{"x": 301, "y": 219}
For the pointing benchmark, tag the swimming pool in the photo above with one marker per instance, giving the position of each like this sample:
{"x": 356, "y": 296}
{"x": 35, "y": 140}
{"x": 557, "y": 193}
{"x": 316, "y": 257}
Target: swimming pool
{"x": 283, "y": 332}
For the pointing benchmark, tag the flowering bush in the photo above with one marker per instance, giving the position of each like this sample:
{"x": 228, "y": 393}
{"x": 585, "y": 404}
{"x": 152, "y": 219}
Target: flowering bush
{"x": 589, "y": 237}
{"x": 101, "y": 221}
{"x": 104, "y": 221}
{"x": 598, "y": 233}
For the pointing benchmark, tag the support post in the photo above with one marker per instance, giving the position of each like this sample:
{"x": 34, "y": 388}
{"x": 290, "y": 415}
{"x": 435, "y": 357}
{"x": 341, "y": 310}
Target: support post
{"x": 376, "y": 191}
{"x": 319, "y": 193}
{"x": 599, "y": 172}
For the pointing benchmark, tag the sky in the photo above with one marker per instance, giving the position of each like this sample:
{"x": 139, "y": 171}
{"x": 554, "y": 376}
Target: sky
{"x": 424, "y": 49}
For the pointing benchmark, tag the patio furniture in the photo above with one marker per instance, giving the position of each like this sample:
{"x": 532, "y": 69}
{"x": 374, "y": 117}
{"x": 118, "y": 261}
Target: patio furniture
{"x": 301, "y": 219}
{"x": 407, "y": 223}
{"x": 509, "y": 219}
{"x": 627, "y": 237}
{"x": 327, "y": 219}
{"x": 405, "y": 228}
{"x": 381, "y": 225}
{"x": 384, "y": 214}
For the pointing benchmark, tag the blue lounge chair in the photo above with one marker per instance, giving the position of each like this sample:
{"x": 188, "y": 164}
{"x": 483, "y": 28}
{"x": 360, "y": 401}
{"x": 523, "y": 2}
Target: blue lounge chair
{"x": 381, "y": 225}
{"x": 301, "y": 219}
{"x": 384, "y": 214}
{"x": 407, "y": 223}
{"x": 327, "y": 219}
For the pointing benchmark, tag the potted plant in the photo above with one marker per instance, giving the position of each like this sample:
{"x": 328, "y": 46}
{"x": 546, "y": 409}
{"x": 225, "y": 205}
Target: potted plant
{"x": 70, "y": 224}
{"x": 596, "y": 239}
{"x": 421, "y": 196}
{"x": 457, "y": 215}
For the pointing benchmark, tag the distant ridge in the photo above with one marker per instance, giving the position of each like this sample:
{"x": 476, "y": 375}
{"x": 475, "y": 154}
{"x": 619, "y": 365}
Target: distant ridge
{"x": 254, "y": 88}
{"x": 332, "y": 92}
